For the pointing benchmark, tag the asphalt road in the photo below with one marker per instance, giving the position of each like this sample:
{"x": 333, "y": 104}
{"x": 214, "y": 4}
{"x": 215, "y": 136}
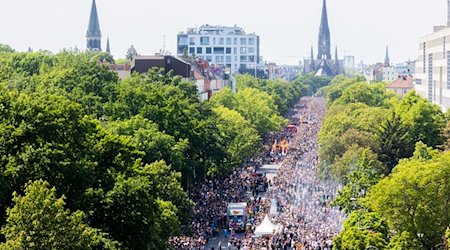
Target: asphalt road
{"x": 271, "y": 171}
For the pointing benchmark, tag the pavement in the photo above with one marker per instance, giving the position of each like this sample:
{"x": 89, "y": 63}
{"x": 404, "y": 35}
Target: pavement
{"x": 270, "y": 171}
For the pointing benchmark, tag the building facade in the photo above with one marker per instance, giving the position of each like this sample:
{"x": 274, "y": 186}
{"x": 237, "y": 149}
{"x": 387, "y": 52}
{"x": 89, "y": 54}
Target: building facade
{"x": 229, "y": 47}
{"x": 432, "y": 74}
{"x": 323, "y": 64}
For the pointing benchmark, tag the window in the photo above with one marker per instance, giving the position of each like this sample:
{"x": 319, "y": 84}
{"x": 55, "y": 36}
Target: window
{"x": 448, "y": 69}
{"x": 251, "y": 41}
{"x": 204, "y": 40}
{"x": 243, "y": 50}
{"x": 219, "y": 59}
{"x": 191, "y": 50}
{"x": 235, "y": 50}
{"x": 219, "y": 50}
{"x": 208, "y": 58}
{"x": 214, "y": 41}
{"x": 235, "y": 41}
{"x": 221, "y": 41}
{"x": 228, "y": 59}
{"x": 424, "y": 46}
{"x": 191, "y": 40}
{"x": 228, "y": 41}
{"x": 228, "y": 50}
{"x": 444, "y": 47}
{"x": 199, "y": 50}
{"x": 182, "y": 40}
{"x": 208, "y": 50}
{"x": 419, "y": 81}
{"x": 251, "y": 58}
{"x": 244, "y": 58}
{"x": 430, "y": 77}
{"x": 243, "y": 41}
{"x": 251, "y": 50}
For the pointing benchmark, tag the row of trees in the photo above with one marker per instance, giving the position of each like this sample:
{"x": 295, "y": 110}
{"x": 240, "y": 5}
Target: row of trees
{"x": 383, "y": 150}
{"x": 88, "y": 161}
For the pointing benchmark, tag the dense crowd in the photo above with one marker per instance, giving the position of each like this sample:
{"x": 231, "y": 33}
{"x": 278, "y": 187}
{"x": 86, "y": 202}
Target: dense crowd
{"x": 308, "y": 221}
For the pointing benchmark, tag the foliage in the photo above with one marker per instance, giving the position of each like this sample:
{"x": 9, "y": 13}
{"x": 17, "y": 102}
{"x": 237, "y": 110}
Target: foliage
{"x": 362, "y": 230}
{"x": 256, "y": 106}
{"x": 6, "y": 48}
{"x": 238, "y": 137}
{"x": 39, "y": 220}
{"x": 365, "y": 173}
{"x": 131, "y": 53}
{"x": 414, "y": 197}
{"x": 403, "y": 240}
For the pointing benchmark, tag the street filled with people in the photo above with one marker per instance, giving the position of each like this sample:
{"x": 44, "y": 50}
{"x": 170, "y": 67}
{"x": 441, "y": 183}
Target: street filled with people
{"x": 305, "y": 215}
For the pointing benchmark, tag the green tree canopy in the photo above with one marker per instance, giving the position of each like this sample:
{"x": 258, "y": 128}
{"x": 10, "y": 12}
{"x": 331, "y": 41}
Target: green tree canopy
{"x": 39, "y": 220}
{"x": 414, "y": 198}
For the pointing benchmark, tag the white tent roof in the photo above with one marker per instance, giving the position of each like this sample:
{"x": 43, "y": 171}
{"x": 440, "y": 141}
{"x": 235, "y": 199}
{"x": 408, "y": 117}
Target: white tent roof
{"x": 266, "y": 228}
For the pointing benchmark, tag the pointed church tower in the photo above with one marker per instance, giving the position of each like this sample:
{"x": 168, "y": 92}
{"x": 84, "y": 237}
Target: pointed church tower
{"x": 108, "y": 49}
{"x": 324, "y": 35}
{"x": 94, "y": 35}
{"x": 311, "y": 60}
{"x": 386, "y": 58}
{"x": 336, "y": 60}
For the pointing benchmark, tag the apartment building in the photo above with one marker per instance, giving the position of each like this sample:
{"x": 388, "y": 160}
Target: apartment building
{"x": 228, "y": 47}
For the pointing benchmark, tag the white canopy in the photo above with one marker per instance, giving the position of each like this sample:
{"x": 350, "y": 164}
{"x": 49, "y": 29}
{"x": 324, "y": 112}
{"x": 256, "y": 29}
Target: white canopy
{"x": 266, "y": 228}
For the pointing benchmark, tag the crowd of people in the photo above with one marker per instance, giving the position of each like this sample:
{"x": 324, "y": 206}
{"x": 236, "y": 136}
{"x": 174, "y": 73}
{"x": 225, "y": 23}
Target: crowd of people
{"x": 307, "y": 219}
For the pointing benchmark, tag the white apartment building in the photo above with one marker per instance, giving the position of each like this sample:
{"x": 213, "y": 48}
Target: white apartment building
{"x": 432, "y": 76}
{"x": 229, "y": 47}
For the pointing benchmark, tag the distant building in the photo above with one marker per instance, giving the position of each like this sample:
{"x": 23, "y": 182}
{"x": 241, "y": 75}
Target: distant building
{"x": 208, "y": 79}
{"x": 142, "y": 64}
{"x": 432, "y": 76}
{"x": 381, "y": 72}
{"x": 323, "y": 64}
{"x": 405, "y": 69}
{"x": 402, "y": 85}
{"x": 228, "y": 47}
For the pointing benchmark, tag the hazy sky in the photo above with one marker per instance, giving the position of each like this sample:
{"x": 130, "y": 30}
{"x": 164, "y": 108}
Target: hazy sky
{"x": 287, "y": 27}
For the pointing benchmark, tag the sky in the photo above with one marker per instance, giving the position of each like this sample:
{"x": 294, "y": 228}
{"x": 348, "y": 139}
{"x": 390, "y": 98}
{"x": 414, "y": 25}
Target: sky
{"x": 287, "y": 28}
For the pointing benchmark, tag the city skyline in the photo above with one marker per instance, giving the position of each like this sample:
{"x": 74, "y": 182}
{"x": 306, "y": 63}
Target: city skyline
{"x": 285, "y": 38}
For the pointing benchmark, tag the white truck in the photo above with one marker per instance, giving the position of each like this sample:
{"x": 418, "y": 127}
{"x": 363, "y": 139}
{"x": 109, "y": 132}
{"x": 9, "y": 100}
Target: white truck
{"x": 237, "y": 216}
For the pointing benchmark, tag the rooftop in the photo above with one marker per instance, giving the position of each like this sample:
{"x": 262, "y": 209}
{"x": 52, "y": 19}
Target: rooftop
{"x": 402, "y": 82}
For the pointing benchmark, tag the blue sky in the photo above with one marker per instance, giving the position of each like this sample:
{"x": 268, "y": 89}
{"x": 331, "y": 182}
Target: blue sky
{"x": 287, "y": 27}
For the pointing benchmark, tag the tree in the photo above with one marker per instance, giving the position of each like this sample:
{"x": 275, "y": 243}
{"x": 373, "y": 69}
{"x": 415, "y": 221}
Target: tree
{"x": 255, "y": 106}
{"x": 362, "y": 230}
{"x": 404, "y": 240}
{"x": 394, "y": 140}
{"x": 237, "y": 136}
{"x": 39, "y": 220}
{"x": 362, "y": 176}
{"x": 414, "y": 198}
{"x": 145, "y": 207}
{"x": 373, "y": 95}
{"x": 424, "y": 119}
{"x": 131, "y": 53}
{"x": 6, "y": 48}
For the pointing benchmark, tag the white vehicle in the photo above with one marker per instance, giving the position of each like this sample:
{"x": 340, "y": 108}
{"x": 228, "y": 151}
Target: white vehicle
{"x": 237, "y": 216}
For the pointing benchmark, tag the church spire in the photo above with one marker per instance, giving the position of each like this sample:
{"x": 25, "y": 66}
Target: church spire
{"x": 324, "y": 35}
{"x": 336, "y": 57}
{"x": 93, "y": 34}
{"x": 386, "y": 58}
{"x": 108, "y": 49}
